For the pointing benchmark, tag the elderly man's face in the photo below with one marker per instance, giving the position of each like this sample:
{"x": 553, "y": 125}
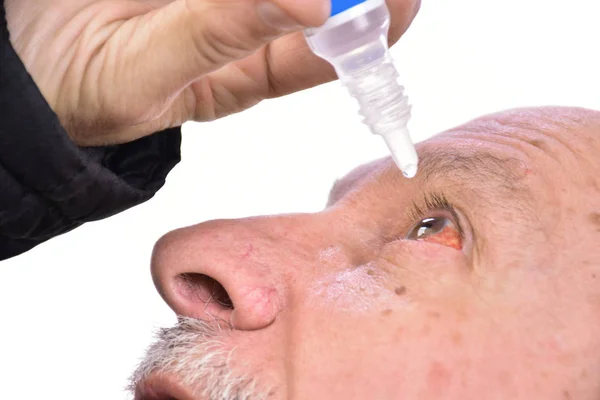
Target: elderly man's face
{"x": 478, "y": 279}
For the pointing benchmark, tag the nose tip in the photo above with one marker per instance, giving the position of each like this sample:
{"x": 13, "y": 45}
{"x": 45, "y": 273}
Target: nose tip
{"x": 205, "y": 272}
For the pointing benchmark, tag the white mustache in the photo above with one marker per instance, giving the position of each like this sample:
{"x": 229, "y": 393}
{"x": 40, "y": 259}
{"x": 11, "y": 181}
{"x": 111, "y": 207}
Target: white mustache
{"x": 192, "y": 351}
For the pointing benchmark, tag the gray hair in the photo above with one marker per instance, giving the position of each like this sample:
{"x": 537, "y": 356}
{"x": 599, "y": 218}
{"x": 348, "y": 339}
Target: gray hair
{"x": 191, "y": 350}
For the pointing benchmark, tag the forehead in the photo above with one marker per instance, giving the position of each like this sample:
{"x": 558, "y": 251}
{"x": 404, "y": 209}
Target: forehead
{"x": 513, "y": 142}
{"x": 443, "y": 161}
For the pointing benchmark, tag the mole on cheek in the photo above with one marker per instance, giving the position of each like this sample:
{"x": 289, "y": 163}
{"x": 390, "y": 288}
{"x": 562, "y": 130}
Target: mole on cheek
{"x": 386, "y": 313}
{"x": 400, "y": 290}
{"x": 595, "y": 220}
{"x": 457, "y": 338}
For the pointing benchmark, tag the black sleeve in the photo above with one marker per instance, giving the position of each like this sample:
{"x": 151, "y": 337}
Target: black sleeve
{"x": 48, "y": 185}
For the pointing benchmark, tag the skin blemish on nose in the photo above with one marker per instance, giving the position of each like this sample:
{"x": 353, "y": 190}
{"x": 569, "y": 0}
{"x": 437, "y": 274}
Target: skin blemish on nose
{"x": 566, "y": 395}
{"x": 329, "y": 252}
{"x": 248, "y": 251}
{"x": 400, "y": 290}
{"x": 332, "y": 255}
{"x": 386, "y": 313}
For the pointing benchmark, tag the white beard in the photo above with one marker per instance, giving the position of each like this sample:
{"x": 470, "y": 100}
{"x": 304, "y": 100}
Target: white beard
{"x": 191, "y": 350}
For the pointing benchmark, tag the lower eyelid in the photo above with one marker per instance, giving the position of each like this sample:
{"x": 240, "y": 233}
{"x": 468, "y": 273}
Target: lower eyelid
{"x": 449, "y": 236}
{"x": 398, "y": 250}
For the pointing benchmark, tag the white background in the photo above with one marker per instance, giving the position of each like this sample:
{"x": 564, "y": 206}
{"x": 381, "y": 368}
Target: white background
{"x": 77, "y": 312}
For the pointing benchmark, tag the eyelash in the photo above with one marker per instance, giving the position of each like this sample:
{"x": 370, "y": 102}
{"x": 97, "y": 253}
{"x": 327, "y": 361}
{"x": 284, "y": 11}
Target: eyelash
{"x": 432, "y": 203}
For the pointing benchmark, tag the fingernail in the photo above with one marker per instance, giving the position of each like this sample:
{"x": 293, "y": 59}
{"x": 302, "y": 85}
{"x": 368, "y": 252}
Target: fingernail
{"x": 276, "y": 17}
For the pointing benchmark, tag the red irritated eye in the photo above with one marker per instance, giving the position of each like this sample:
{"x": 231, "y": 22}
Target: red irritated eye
{"x": 439, "y": 230}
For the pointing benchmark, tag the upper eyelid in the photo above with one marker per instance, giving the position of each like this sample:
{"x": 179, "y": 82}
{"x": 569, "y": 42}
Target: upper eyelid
{"x": 432, "y": 203}
{"x": 431, "y": 214}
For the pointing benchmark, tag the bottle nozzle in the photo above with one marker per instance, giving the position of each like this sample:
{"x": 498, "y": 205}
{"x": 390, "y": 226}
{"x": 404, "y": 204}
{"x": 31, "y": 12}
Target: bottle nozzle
{"x": 403, "y": 151}
{"x": 385, "y": 108}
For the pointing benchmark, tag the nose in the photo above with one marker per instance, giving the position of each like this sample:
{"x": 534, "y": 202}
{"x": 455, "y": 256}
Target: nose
{"x": 230, "y": 270}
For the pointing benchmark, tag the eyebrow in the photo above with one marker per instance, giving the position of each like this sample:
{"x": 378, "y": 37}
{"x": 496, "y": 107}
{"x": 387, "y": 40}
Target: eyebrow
{"x": 486, "y": 170}
{"x": 490, "y": 170}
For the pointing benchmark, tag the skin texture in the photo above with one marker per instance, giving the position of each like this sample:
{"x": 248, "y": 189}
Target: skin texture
{"x": 117, "y": 70}
{"x": 337, "y": 305}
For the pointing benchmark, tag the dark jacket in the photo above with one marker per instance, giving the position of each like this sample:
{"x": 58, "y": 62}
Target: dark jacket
{"x": 48, "y": 185}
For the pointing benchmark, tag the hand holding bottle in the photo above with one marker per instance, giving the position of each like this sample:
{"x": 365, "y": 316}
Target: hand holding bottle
{"x": 115, "y": 71}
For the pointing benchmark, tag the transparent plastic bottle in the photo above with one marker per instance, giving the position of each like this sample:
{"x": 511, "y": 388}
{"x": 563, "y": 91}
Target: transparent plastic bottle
{"x": 354, "y": 40}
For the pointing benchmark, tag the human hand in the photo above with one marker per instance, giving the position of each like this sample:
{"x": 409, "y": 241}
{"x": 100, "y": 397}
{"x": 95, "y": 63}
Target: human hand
{"x": 118, "y": 70}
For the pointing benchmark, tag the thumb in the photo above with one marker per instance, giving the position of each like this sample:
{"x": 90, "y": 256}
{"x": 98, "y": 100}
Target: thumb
{"x": 186, "y": 39}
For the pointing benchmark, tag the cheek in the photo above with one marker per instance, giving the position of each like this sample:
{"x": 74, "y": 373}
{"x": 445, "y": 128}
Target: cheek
{"x": 444, "y": 348}
{"x": 358, "y": 291}
{"x": 386, "y": 354}
{"x": 429, "y": 352}
{"x": 425, "y": 271}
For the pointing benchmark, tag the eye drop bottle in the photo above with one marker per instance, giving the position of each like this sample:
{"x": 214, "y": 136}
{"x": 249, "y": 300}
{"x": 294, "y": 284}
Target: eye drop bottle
{"x": 355, "y": 41}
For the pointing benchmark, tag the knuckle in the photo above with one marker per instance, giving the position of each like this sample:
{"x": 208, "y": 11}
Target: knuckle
{"x": 218, "y": 36}
{"x": 216, "y": 47}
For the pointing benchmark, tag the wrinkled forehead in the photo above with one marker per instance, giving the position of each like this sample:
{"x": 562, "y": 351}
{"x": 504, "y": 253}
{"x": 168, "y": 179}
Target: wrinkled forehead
{"x": 530, "y": 138}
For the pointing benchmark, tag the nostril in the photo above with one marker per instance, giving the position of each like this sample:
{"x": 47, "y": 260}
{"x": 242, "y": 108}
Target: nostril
{"x": 200, "y": 288}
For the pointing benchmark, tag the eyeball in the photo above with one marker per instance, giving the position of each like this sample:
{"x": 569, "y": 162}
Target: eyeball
{"x": 439, "y": 230}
